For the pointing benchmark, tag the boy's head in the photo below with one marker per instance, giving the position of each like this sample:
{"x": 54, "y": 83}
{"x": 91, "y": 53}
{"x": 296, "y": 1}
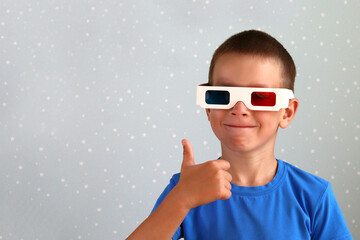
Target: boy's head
{"x": 255, "y": 60}
{"x": 258, "y": 44}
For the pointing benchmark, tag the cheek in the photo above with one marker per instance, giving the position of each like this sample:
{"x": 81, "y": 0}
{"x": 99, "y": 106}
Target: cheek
{"x": 268, "y": 119}
{"x": 215, "y": 116}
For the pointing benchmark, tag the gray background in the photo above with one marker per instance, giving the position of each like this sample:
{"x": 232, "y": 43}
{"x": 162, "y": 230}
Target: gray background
{"x": 95, "y": 97}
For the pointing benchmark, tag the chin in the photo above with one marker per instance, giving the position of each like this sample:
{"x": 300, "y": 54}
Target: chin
{"x": 238, "y": 146}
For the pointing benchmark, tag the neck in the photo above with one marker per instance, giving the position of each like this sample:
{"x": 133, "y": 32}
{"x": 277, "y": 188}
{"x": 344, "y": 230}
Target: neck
{"x": 251, "y": 169}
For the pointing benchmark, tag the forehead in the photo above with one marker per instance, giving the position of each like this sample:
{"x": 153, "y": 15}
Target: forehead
{"x": 243, "y": 70}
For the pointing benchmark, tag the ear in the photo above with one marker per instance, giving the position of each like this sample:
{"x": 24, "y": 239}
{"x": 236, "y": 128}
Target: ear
{"x": 208, "y": 113}
{"x": 289, "y": 113}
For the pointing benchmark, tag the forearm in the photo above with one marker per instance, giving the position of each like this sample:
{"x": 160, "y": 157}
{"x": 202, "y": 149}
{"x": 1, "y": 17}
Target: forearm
{"x": 164, "y": 221}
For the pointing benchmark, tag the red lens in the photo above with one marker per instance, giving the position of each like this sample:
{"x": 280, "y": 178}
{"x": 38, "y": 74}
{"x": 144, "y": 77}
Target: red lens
{"x": 267, "y": 99}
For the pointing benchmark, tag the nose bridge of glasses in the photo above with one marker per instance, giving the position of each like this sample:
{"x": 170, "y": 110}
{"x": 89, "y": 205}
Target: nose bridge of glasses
{"x": 240, "y": 106}
{"x": 240, "y": 98}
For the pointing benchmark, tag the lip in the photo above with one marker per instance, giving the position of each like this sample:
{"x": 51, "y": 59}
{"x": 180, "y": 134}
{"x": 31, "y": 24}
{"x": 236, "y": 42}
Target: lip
{"x": 238, "y": 126}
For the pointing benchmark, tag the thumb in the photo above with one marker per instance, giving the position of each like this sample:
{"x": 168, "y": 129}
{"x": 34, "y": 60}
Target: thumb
{"x": 188, "y": 155}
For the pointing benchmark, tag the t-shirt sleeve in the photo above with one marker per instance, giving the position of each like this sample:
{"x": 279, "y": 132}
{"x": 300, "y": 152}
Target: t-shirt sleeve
{"x": 328, "y": 220}
{"x": 173, "y": 181}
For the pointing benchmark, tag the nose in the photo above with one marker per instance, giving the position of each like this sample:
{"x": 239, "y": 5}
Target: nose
{"x": 239, "y": 109}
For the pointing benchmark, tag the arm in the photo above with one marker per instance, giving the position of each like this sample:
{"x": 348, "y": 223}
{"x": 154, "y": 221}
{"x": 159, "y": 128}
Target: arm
{"x": 199, "y": 184}
{"x": 164, "y": 221}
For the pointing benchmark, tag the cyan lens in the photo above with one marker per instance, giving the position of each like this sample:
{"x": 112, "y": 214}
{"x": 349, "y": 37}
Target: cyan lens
{"x": 218, "y": 97}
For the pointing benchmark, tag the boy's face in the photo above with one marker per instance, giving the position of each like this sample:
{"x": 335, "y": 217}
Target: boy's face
{"x": 240, "y": 129}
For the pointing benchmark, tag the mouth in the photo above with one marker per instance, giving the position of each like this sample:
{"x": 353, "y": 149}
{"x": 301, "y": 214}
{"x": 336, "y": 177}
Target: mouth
{"x": 238, "y": 126}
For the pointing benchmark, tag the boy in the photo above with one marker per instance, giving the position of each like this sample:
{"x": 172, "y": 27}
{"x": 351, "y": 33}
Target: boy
{"x": 247, "y": 193}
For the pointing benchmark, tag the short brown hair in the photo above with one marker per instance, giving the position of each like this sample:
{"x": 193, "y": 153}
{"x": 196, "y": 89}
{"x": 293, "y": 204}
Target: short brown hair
{"x": 258, "y": 43}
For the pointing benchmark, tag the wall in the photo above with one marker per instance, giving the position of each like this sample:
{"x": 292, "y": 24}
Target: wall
{"x": 95, "y": 97}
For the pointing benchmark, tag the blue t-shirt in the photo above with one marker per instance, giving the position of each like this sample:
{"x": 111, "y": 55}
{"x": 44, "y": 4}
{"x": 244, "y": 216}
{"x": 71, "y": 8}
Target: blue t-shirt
{"x": 294, "y": 205}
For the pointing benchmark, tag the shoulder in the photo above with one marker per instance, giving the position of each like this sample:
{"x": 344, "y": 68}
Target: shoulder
{"x": 316, "y": 197}
{"x": 302, "y": 179}
{"x": 175, "y": 179}
{"x": 308, "y": 189}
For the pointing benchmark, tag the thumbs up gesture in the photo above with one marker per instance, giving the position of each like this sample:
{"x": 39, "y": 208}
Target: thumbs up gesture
{"x": 204, "y": 183}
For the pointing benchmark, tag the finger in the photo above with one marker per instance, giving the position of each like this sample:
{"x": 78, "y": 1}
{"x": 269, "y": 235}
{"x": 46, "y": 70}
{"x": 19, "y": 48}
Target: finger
{"x": 223, "y": 164}
{"x": 228, "y": 186}
{"x": 227, "y": 194}
{"x": 227, "y": 176}
{"x": 188, "y": 154}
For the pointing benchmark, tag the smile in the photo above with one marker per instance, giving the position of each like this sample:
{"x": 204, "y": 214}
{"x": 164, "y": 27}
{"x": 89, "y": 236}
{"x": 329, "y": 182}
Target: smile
{"x": 238, "y": 126}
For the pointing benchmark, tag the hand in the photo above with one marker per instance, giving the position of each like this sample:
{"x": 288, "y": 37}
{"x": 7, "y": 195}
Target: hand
{"x": 204, "y": 183}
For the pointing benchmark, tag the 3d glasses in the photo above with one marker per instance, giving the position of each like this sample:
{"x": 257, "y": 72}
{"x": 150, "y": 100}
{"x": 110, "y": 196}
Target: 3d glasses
{"x": 260, "y": 99}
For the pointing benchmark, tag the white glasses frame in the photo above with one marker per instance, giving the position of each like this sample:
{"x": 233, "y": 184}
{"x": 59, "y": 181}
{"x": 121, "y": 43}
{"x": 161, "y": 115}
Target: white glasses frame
{"x": 243, "y": 94}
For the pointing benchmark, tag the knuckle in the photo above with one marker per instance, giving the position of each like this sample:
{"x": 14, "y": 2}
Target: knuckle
{"x": 229, "y": 194}
{"x": 229, "y": 177}
{"x": 226, "y": 194}
{"x": 226, "y": 164}
{"x": 211, "y": 164}
{"x": 221, "y": 191}
{"x": 219, "y": 194}
{"x": 218, "y": 173}
{"x": 218, "y": 179}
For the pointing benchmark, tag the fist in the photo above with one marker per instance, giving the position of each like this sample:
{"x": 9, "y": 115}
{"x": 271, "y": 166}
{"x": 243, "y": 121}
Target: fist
{"x": 204, "y": 183}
